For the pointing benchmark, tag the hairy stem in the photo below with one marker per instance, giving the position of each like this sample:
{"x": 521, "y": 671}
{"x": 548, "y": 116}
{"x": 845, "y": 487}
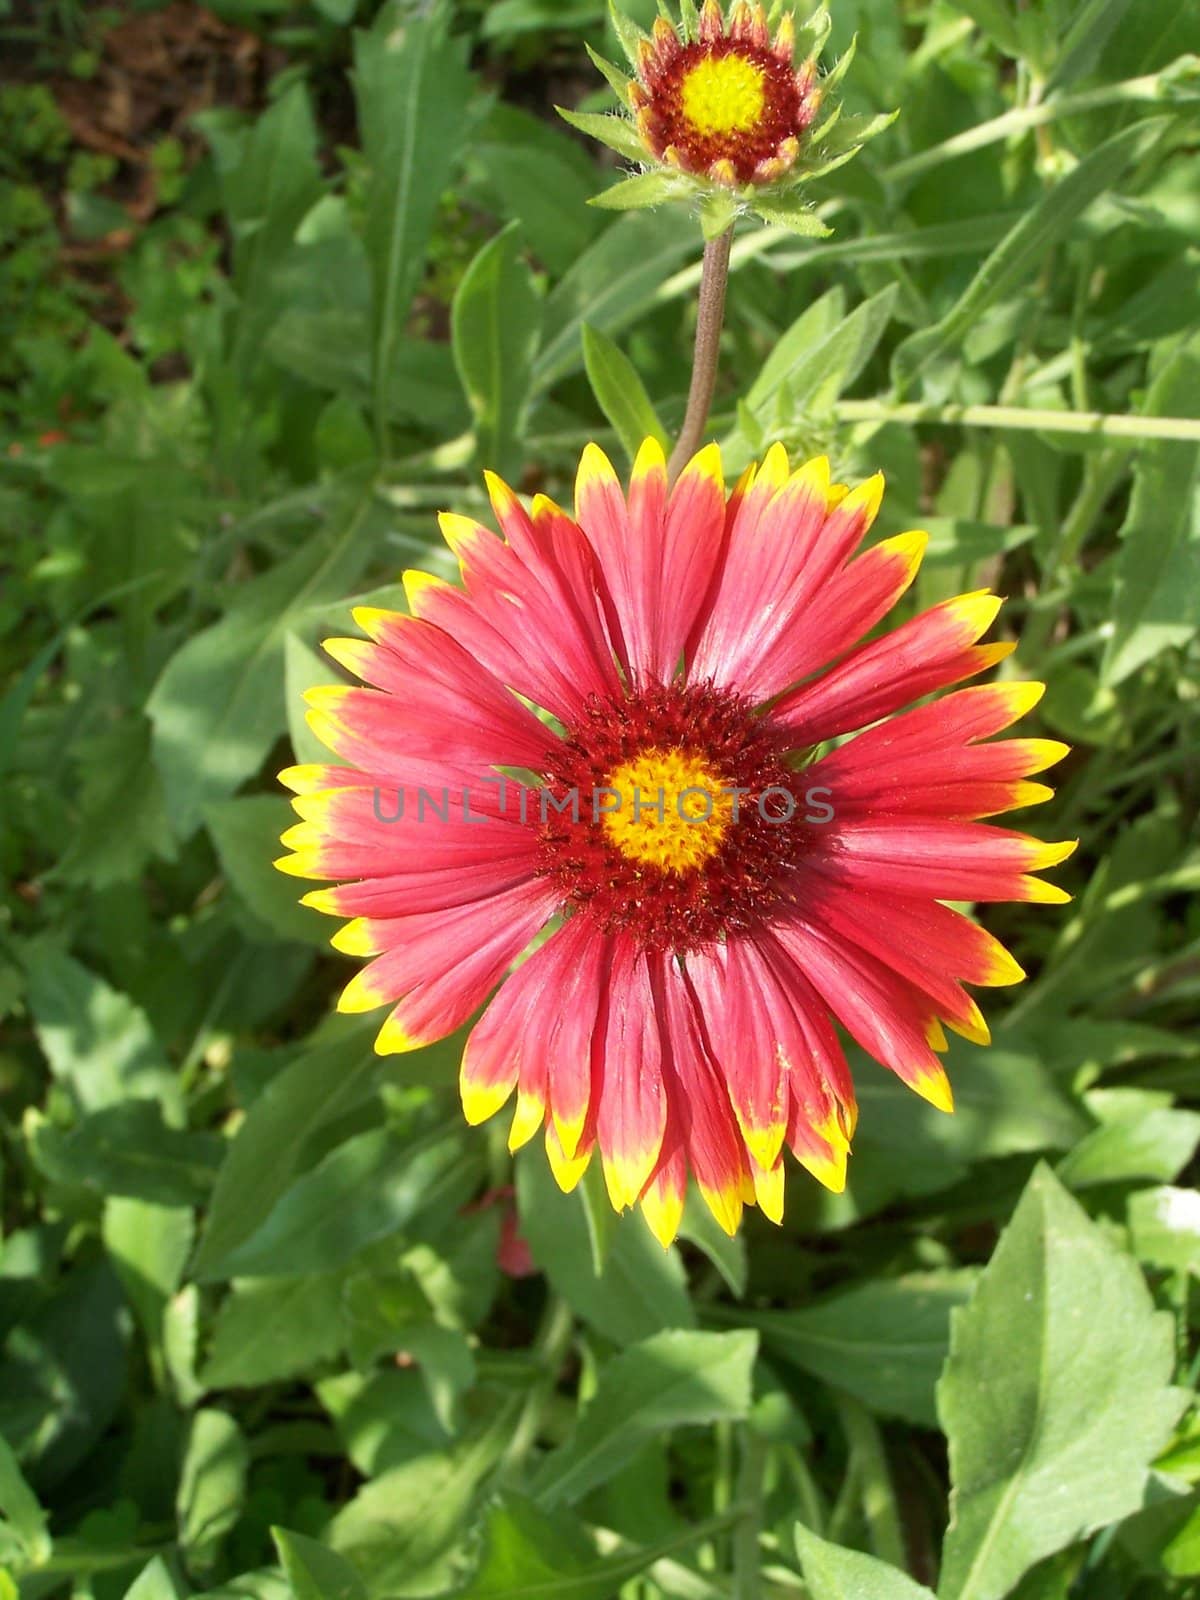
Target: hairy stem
{"x": 713, "y": 283}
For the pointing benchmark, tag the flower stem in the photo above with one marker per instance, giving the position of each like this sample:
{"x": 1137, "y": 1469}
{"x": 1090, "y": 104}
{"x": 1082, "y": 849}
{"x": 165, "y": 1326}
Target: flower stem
{"x": 550, "y": 1349}
{"x": 1022, "y": 118}
{"x": 747, "y": 1572}
{"x": 1095, "y": 423}
{"x": 713, "y": 283}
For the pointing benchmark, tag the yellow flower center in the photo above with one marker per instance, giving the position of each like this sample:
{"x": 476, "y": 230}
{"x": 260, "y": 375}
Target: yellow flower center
{"x": 666, "y": 808}
{"x": 723, "y": 94}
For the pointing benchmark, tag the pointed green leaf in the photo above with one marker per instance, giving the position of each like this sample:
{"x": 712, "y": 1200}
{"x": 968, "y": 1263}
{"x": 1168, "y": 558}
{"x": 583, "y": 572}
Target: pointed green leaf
{"x": 322, "y": 1083}
{"x": 1056, "y": 1397}
{"x": 611, "y": 129}
{"x": 620, "y": 392}
{"x": 269, "y": 1329}
{"x": 1049, "y": 221}
{"x": 1084, "y": 43}
{"x": 832, "y": 1573}
{"x": 218, "y": 706}
{"x": 833, "y": 77}
{"x": 628, "y": 32}
{"x": 796, "y": 217}
{"x": 884, "y": 1341}
{"x": 614, "y": 282}
{"x": 1158, "y": 569}
{"x": 212, "y": 1486}
{"x": 641, "y": 1288}
{"x": 314, "y": 1571}
{"x": 412, "y": 88}
{"x": 20, "y": 1509}
{"x": 618, "y": 81}
{"x": 634, "y": 194}
{"x": 496, "y": 324}
{"x": 675, "y": 1379}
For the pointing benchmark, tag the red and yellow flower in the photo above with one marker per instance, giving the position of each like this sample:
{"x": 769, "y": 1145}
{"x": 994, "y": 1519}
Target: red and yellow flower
{"x": 728, "y": 113}
{"x": 599, "y": 749}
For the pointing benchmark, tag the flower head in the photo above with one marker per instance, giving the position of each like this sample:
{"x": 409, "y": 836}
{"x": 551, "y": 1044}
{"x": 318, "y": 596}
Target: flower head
{"x": 727, "y": 112}
{"x": 676, "y": 905}
{"x": 728, "y": 104}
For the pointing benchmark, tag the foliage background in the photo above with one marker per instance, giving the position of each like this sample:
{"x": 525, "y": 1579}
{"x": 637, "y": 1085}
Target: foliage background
{"x": 277, "y": 280}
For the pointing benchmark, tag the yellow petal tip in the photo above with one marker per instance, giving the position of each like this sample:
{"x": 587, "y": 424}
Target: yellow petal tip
{"x": 932, "y": 1084}
{"x": 372, "y": 620}
{"x": 663, "y": 1214}
{"x": 393, "y": 1040}
{"x": 355, "y": 939}
{"x": 481, "y": 1101}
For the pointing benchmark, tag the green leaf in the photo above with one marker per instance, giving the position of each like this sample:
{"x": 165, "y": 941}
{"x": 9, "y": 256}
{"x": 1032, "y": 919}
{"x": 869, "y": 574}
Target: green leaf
{"x": 212, "y": 1486}
{"x": 403, "y": 1525}
{"x": 673, "y": 1380}
{"x": 1006, "y": 1103}
{"x": 154, "y": 1582}
{"x": 627, "y": 31}
{"x": 1056, "y": 1397}
{"x": 542, "y": 178}
{"x": 127, "y": 1149}
{"x": 97, "y": 1041}
{"x": 364, "y": 1190}
{"x": 529, "y": 1554}
{"x": 1158, "y": 570}
{"x": 620, "y": 392}
{"x": 617, "y": 132}
{"x": 642, "y": 190}
{"x": 799, "y": 219}
{"x": 63, "y": 1374}
{"x": 218, "y": 707}
{"x": 832, "y": 1573}
{"x": 617, "y": 80}
{"x": 412, "y": 89}
{"x": 269, "y": 1147}
{"x": 1164, "y": 1228}
{"x": 508, "y": 17}
{"x": 996, "y": 19}
{"x": 729, "y": 1256}
{"x": 326, "y": 348}
{"x": 612, "y": 284}
{"x": 1025, "y": 245}
{"x": 815, "y": 324}
{"x": 1157, "y": 1142}
{"x": 883, "y": 1341}
{"x": 123, "y": 819}
{"x": 825, "y": 371}
{"x": 148, "y": 1246}
{"x": 496, "y": 325}
{"x": 246, "y": 834}
{"x": 269, "y": 180}
{"x": 269, "y": 1329}
{"x": 314, "y": 1571}
{"x": 1085, "y": 40}
{"x": 19, "y": 1508}
{"x": 642, "y": 1287}
{"x": 304, "y": 669}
